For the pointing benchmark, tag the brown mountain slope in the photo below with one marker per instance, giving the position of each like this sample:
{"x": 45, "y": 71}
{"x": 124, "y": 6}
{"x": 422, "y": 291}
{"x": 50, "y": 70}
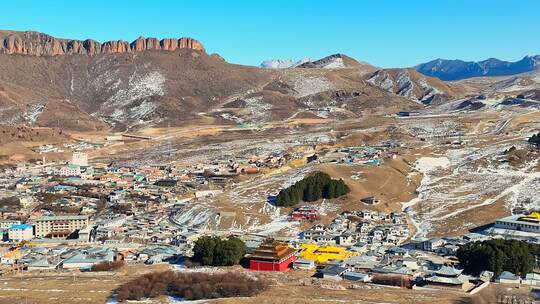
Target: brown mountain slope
{"x": 413, "y": 85}
{"x": 152, "y": 87}
{"x": 122, "y": 89}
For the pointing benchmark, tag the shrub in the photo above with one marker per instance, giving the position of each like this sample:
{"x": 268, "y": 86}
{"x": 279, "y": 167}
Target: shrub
{"x": 108, "y": 266}
{"x": 393, "y": 280}
{"x": 190, "y": 286}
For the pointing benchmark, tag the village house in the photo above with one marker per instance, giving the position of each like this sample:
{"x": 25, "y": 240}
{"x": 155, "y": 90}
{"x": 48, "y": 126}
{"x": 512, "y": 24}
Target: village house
{"x": 506, "y": 277}
{"x": 87, "y": 257}
{"x": 448, "y": 278}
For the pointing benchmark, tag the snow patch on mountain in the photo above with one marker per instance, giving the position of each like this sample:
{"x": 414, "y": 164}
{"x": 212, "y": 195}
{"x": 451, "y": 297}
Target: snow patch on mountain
{"x": 382, "y": 80}
{"x": 33, "y": 113}
{"x": 306, "y": 85}
{"x": 405, "y": 85}
{"x": 258, "y": 108}
{"x": 335, "y": 63}
{"x": 139, "y": 86}
{"x": 282, "y": 64}
{"x": 429, "y": 91}
{"x": 516, "y": 84}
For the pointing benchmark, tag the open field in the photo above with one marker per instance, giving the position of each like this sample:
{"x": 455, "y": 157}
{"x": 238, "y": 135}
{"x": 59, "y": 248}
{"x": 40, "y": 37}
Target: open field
{"x": 292, "y": 287}
{"x": 68, "y": 287}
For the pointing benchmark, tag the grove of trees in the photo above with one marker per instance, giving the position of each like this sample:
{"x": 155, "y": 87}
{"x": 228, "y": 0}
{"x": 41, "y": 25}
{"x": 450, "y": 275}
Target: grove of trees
{"x": 311, "y": 188}
{"x": 190, "y": 286}
{"x": 215, "y": 251}
{"x": 535, "y": 140}
{"x": 515, "y": 256}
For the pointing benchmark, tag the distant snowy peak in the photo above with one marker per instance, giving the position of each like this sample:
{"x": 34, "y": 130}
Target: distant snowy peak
{"x": 335, "y": 61}
{"x": 459, "y": 69}
{"x": 283, "y": 64}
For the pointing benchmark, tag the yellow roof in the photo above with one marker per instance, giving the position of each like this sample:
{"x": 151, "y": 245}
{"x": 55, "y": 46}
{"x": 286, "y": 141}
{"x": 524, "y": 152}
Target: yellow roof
{"x": 12, "y": 253}
{"x": 533, "y": 217}
{"x": 323, "y": 254}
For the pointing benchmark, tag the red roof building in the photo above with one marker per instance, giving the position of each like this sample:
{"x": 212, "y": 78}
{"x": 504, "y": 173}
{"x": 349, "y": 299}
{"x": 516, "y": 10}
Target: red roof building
{"x": 304, "y": 213}
{"x": 272, "y": 256}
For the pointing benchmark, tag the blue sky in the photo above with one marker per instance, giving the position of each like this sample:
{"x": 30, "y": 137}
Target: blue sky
{"x": 387, "y": 33}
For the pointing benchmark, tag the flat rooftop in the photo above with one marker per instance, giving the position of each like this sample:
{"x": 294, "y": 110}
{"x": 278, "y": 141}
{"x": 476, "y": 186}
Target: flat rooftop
{"x": 516, "y": 219}
{"x": 62, "y": 217}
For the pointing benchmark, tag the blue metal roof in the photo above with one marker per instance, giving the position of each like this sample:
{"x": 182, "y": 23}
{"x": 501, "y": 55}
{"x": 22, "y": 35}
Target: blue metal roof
{"x": 21, "y": 226}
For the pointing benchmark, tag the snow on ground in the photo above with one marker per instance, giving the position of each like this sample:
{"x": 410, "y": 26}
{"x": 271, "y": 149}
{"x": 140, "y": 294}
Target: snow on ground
{"x": 456, "y": 184}
{"x": 434, "y": 129}
{"x": 251, "y": 198}
{"x": 258, "y": 109}
{"x": 196, "y": 215}
{"x": 202, "y": 269}
{"x": 252, "y": 195}
{"x": 405, "y": 85}
{"x": 140, "y": 86}
{"x": 327, "y": 207}
{"x": 33, "y": 113}
{"x": 429, "y": 91}
{"x": 336, "y": 63}
{"x": 427, "y": 164}
{"x": 306, "y": 85}
{"x": 282, "y": 63}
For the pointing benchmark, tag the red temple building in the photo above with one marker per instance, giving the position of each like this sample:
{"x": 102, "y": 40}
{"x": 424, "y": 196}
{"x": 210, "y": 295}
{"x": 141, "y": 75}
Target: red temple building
{"x": 272, "y": 256}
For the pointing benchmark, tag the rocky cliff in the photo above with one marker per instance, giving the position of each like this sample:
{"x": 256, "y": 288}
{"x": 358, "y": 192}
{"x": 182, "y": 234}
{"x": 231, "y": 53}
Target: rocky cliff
{"x": 39, "y": 44}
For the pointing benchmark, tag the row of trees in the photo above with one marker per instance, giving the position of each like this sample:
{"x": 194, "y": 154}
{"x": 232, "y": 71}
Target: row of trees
{"x": 535, "y": 140}
{"x": 311, "y": 188}
{"x": 517, "y": 257}
{"x": 190, "y": 286}
{"x": 215, "y": 251}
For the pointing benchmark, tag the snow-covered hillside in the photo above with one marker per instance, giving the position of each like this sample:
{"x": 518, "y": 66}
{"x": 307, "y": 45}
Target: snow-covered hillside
{"x": 410, "y": 84}
{"x": 282, "y": 63}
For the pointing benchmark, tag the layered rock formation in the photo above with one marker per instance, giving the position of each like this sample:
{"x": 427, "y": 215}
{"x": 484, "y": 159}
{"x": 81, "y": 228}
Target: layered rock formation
{"x": 39, "y": 44}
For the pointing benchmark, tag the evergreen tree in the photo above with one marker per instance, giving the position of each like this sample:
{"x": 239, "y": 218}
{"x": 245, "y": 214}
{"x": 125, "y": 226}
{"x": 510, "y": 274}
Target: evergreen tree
{"x": 215, "y": 251}
{"x": 535, "y": 140}
{"x": 498, "y": 255}
{"x": 329, "y": 190}
{"x": 312, "y": 188}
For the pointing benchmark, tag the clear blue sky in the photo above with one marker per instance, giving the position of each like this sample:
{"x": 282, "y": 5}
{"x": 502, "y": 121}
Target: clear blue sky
{"x": 387, "y": 33}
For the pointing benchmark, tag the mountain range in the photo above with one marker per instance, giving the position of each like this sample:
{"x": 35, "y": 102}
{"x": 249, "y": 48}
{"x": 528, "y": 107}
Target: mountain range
{"x": 447, "y": 70}
{"x": 87, "y": 85}
{"x": 116, "y": 85}
{"x": 459, "y": 69}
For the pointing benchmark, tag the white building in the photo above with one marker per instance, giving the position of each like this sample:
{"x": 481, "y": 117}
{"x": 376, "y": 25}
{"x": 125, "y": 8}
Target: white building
{"x": 21, "y": 232}
{"x": 6, "y": 224}
{"x": 60, "y": 224}
{"x": 79, "y": 159}
{"x": 70, "y": 170}
{"x": 519, "y": 222}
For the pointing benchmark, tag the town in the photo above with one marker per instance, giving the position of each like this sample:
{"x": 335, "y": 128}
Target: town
{"x": 270, "y": 152}
{"x": 76, "y": 216}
